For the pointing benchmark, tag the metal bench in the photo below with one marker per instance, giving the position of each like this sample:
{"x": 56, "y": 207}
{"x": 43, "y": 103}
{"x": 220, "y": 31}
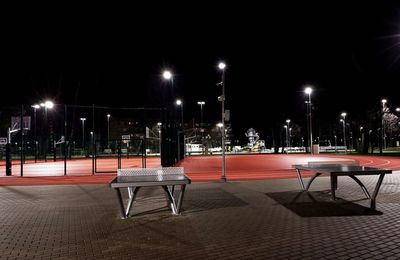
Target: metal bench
{"x": 135, "y": 178}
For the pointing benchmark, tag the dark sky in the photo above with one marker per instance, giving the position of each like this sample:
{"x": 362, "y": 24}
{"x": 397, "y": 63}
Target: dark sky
{"x": 114, "y": 57}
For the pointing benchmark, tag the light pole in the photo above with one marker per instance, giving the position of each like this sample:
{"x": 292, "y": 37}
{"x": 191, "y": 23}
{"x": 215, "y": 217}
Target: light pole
{"x": 222, "y": 67}
{"x": 159, "y": 136}
{"x": 180, "y": 103}
{"x": 47, "y": 105}
{"x": 335, "y": 144}
{"x": 383, "y": 123}
{"x": 83, "y": 119}
{"x": 344, "y": 130}
{"x": 35, "y": 107}
{"x": 201, "y": 103}
{"x": 166, "y": 159}
{"x": 308, "y": 91}
{"x": 288, "y": 139}
{"x": 108, "y": 130}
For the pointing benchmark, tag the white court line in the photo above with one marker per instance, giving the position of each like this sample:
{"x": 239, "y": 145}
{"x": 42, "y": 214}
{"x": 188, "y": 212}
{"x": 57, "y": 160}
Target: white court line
{"x": 382, "y": 164}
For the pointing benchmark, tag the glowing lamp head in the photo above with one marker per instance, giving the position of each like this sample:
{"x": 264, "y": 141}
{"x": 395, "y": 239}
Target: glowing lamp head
{"x": 49, "y": 104}
{"x": 36, "y": 106}
{"x": 384, "y": 101}
{"x": 308, "y": 90}
{"x": 221, "y": 65}
{"x": 288, "y": 121}
{"x": 167, "y": 75}
{"x": 179, "y": 102}
{"x": 343, "y": 114}
{"x": 220, "y": 125}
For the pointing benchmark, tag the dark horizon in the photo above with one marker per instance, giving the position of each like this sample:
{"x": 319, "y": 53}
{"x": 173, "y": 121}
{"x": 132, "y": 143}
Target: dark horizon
{"x": 347, "y": 53}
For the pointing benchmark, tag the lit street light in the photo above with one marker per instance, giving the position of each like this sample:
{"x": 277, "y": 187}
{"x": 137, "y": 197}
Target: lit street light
{"x": 35, "y": 107}
{"x": 83, "y": 132}
{"x": 201, "y": 103}
{"x": 108, "y": 130}
{"x": 288, "y": 139}
{"x": 180, "y": 103}
{"x": 222, "y": 66}
{"x": 308, "y": 91}
{"x": 344, "y": 130}
{"x": 384, "y": 101}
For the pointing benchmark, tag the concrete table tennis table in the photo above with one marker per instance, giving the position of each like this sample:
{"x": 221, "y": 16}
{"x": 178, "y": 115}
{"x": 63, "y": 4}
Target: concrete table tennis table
{"x": 335, "y": 169}
{"x": 136, "y": 178}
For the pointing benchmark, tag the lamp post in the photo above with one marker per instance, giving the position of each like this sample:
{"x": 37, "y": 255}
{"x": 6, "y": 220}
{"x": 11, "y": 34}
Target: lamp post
{"x": 344, "y": 130}
{"x": 201, "y": 103}
{"x": 335, "y": 144}
{"x": 108, "y": 130}
{"x": 47, "y": 105}
{"x": 166, "y": 159}
{"x": 83, "y": 119}
{"x": 180, "y": 103}
{"x": 288, "y": 139}
{"x": 222, "y": 67}
{"x": 308, "y": 91}
{"x": 35, "y": 107}
{"x": 384, "y": 101}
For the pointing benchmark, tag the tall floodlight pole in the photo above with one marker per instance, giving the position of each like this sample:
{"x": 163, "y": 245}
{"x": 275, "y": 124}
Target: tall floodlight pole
{"x": 47, "y": 105}
{"x": 83, "y": 119}
{"x": 165, "y": 145}
{"x": 344, "y": 130}
{"x": 383, "y": 124}
{"x": 201, "y": 103}
{"x": 222, "y": 67}
{"x": 108, "y": 130}
{"x": 288, "y": 139}
{"x": 308, "y": 91}
{"x": 35, "y": 107}
{"x": 180, "y": 103}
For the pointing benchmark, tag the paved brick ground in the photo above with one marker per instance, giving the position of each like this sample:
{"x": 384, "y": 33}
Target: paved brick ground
{"x": 235, "y": 220}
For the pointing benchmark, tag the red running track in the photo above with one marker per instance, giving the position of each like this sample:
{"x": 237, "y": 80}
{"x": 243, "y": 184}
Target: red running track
{"x": 198, "y": 168}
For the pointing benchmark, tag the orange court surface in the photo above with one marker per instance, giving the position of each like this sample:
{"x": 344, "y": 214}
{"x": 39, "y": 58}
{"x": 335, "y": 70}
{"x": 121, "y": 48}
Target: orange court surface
{"x": 198, "y": 168}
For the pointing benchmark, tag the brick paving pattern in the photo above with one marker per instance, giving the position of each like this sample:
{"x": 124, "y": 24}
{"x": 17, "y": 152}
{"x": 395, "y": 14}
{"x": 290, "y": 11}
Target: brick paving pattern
{"x": 234, "y": 220}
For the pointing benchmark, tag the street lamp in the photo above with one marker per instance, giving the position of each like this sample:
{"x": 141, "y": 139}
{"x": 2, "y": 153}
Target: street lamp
{"x": 222, "y": 66}
{"x": 201, "y": 103}
{"x": 344, "y": 130}
{"x": 289, "y": 129}
{"x": 335, "y": 143}
{"x": 287, "y": 138}
{"x": 108, "y": 130}
{"x": 47, "y": 105}
{"x": 83, "y": 119}
{"x": 35, "y": 107}
{"x": 384, "y": 101}
{"x": 180, "y": 103}
{"x": 308, "y": 91}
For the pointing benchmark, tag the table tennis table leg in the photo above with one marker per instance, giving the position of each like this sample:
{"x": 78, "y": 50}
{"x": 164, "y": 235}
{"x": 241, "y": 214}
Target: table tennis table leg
{"x": 311, "y": 180}
{"x": 300, "y": 179}
{"x": 121, "y": 203}
{"x": 171, "y": 200}
{"x": 180, "y": 198}
{"x": 333, "y": 186}
{"x": 377, "y": 187}
{"x": 361, "y": 185}
{"x": 132, "y": 197}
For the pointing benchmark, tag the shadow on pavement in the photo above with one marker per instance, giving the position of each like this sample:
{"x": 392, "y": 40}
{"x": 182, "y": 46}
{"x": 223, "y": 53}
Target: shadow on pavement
{"x": 319, "y": 204}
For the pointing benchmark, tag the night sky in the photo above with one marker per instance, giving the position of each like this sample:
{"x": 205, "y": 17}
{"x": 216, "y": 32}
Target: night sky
{"x": 347, "y": 52}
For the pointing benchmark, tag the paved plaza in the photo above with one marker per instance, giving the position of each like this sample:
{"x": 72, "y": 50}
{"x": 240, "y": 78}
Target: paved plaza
{"x": 267, "y": 219}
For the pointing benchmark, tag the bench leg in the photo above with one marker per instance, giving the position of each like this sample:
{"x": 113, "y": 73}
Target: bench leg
{"x": 171, "y": 200}
{"x": 121, "y": 203}
{"x": 377, "y": 187}
{"x": 180, "y": 199}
